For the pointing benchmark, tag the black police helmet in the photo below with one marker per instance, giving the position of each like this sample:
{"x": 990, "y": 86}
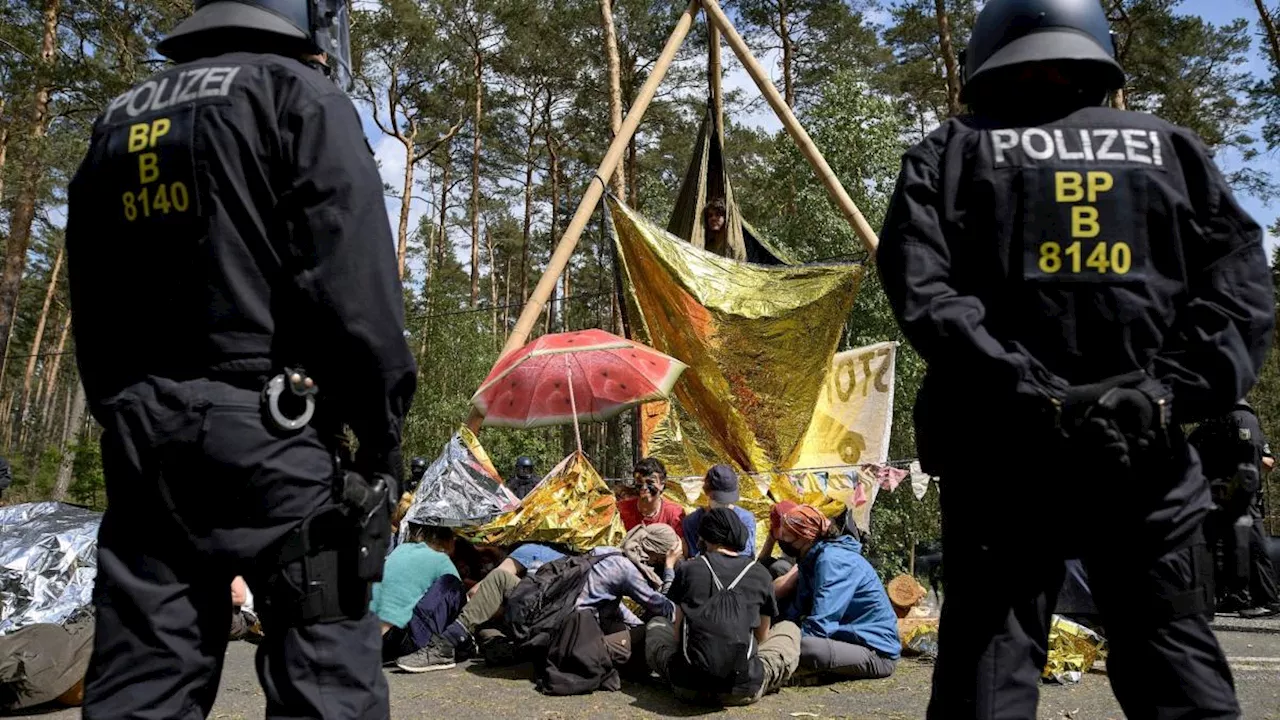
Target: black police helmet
{"x": 524, "y": 463}
{"x": 418, "y": 465}
{"x": 1008, "y": 33}
{"x": 300, "y": 26}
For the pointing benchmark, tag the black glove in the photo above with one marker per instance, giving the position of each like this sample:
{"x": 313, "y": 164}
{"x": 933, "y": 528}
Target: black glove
{"x": 1121, "y": 424}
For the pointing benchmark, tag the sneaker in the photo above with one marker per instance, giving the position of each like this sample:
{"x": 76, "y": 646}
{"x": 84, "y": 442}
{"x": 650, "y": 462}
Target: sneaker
{"x": 437, "y": 655}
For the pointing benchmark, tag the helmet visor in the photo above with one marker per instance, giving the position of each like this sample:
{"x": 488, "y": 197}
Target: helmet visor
{"x": 1052, "y": 45}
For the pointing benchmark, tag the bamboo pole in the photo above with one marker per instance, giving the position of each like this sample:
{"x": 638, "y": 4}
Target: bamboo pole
{"x": 714, "y": 77}
{"x": 595, "y": 189}
{"x": 810, "y": 151}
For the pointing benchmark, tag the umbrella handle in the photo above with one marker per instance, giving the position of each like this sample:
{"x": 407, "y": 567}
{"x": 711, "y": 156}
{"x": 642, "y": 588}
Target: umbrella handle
{"x": 573, "y": 405}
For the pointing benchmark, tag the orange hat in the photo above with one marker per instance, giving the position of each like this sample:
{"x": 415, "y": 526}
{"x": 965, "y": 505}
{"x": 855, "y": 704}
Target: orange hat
{"x": 806, "y": 522}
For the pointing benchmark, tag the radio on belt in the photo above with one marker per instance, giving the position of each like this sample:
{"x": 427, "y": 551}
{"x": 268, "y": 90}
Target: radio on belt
{"x": 302, "y": 391}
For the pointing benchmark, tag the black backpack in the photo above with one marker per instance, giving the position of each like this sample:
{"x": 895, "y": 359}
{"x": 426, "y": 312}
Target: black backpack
{"x": 542, "y": 600}
{"x": 718, "y": 640}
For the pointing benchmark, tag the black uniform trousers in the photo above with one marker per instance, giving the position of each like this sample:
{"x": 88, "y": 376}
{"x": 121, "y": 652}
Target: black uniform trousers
{"x": 199, "y": 490}
{"x": 1001, "y": 586}
{"x": 1262, "y": 576}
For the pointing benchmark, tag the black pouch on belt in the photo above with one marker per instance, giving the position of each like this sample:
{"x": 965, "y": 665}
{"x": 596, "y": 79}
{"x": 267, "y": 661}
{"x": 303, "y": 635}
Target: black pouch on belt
{"x": 370, "y": 505}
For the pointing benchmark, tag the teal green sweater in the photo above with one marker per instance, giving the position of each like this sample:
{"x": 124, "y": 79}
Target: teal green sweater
{"x": 411, "y": 569}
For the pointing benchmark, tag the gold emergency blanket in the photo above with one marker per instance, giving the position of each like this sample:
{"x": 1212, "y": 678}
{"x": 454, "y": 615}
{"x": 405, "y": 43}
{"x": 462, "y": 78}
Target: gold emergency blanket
{"x": 1073, "y": 649}
{"x": 571, "y": 505}
{"x": 758, "y": 342}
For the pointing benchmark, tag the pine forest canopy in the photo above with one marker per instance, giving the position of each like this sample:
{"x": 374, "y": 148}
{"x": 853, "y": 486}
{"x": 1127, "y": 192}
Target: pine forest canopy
{"x": 490, "y": 116}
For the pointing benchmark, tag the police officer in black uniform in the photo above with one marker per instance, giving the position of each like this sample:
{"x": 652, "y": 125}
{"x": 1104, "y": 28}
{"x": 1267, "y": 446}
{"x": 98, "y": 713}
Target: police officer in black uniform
{"x": 236, "y": 305}
{"x": 524, "y": 479}
{"x": 417, "y": 468}
{"x": 1080, "y": 281}
{"x": 1233, "y": 450}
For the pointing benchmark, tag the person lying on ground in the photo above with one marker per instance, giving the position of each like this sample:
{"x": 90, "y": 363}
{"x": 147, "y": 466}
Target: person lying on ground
{"x": 722, "y": 647}
{"x": 419, "y": 595}
{"x": 848, "y": 627}
{"x": 721, "y": 488}
{"x": 614, "y": 577}
{"x": 649, "y": 507}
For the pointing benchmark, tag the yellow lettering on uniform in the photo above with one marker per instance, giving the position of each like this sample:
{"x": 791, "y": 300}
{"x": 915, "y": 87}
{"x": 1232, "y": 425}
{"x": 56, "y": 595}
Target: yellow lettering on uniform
{"x": 1068, "y": 186}
{"x": 138, "y": 137}
{"x": 148, "y": 167}
{"x": 158, "y": 128}
{"x": 1099, "y": 182}
{"x": 1050, "y": 257}
{"x": 1084, "y": 221}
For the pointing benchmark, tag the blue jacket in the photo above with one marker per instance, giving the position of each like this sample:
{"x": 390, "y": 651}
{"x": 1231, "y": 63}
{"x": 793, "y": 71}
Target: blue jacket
{"x": 841, "y": 597}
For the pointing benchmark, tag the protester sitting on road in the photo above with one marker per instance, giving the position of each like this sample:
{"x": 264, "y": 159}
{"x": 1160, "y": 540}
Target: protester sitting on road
{"x": 649, "y": 506}
{"x": 778, "y": 567}
{"x": 609, "y": 580}
{"x": 848, "y": 627}
{"x": 723, "y": 647}
{"x": 419, "y": 595}
{"x": 721, "y": 488}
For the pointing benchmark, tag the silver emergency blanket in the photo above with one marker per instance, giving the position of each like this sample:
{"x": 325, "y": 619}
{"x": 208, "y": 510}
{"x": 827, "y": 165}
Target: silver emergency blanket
{"x": 48, "y": 560}
{"x": 460, "y": 489}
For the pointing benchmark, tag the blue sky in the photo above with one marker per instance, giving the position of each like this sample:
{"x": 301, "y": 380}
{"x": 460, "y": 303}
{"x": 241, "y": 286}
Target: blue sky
{"x": 391, "y": 154}
{"x": 1221, "y": 12}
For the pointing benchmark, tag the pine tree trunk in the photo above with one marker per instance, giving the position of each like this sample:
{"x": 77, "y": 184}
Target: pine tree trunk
{"x": 442, "y": 244}
{"x": 475, "y": 179}
{"x": 784, "y": 34}
{"x": 36, "y": 342}
{"x": 51, "y": 378}
{"x": 948, "y": 57}
{"x": 631, "y": 172}
{"x": 614, "y": 64}
{"x": 493, "y": 286}
{"x": 555, "y": 210}
{"x": 4, "y": 360}
{"x": 4, "y": 146}
{"x": 506, "y": 302}
{"x": 24, "y": 212}
{"x": 406, "y": 199}
{"x": 75, "y": 424}
{"x": 1269, "y": 28}
{"x": 528, "y": 205}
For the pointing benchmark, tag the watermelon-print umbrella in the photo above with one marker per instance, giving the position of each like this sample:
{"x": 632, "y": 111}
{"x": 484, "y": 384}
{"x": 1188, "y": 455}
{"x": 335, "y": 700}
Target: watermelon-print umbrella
{"x": 589, "y": 375}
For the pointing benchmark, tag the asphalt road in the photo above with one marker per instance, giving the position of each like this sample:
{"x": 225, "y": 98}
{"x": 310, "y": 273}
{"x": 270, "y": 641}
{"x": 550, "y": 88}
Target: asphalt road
{"x": 476, "y": 692}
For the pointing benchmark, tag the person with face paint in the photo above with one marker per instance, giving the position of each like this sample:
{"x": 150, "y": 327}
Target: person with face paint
{"x": 649, "y": 507}
{"x": 847, "y": 625}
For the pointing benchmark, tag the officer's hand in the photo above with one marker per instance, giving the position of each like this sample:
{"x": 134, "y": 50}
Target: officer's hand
{"x": 1133, "y": 410}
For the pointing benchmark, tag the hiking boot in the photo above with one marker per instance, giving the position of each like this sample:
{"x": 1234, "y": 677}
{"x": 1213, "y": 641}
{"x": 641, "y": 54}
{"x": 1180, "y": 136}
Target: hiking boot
{"x": 437, "y": 655}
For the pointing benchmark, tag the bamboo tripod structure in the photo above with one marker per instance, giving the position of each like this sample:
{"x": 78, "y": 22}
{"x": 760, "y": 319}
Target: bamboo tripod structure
{"x": 719, "y": 26}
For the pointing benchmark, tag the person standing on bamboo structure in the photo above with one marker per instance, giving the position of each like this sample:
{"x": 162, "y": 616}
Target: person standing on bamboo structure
{"x": 1081, "y": 283}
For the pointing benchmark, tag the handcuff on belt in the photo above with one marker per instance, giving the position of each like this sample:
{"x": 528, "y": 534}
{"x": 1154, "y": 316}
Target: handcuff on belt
{"x": 301, "y": 389}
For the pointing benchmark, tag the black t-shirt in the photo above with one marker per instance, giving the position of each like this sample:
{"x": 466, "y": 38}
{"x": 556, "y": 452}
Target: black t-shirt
{"x": 693, "y": 586}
